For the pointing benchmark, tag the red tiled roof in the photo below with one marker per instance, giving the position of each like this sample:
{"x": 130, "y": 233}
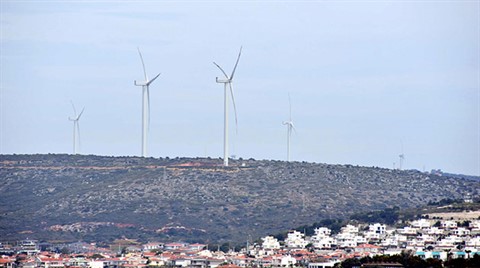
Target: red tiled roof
{"x": 174, "y": 245}
{"x": 50, "y": 259}
{"x": 367, "y": 246}
{"x": 229, "y": 266}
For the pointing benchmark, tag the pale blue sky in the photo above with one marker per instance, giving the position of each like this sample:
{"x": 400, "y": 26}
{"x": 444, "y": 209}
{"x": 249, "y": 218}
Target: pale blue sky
{"x": 363, "y": 77}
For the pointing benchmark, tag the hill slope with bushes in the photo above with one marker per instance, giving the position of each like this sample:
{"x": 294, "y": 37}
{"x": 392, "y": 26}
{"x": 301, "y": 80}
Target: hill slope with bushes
{"x": 98, "y": 198}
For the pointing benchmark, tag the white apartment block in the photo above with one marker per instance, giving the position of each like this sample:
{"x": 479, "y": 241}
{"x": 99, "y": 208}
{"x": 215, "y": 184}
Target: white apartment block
{"x": 449, "y": 224}
{"x": 295, "y": 239}
{"x": 270, "y": 242}
{"x": 377, "y": 228}
{"x": 349, "y": 229}
{"x": 435, "y": 231}
{"x": 421, "y": 224}
{"x": 407, "y": 230}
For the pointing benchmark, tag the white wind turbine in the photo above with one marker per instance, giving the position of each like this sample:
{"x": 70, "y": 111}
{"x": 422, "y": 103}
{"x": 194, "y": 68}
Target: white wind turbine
{"x": 76, "y": 127}
{"x": 145, "y": 104}
{"x": 228, "y": 81}
{"x": 402, "y": 158}
{"x": 290, "y": 127}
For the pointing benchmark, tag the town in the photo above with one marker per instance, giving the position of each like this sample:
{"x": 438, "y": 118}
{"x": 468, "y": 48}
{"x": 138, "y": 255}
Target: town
{"x": 426, "y": 238}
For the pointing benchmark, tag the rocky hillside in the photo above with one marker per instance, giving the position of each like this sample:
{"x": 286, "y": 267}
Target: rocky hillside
{"x": 67, "y": 197}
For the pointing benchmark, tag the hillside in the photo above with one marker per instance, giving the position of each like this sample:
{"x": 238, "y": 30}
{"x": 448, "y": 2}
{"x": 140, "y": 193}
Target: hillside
{"x": 97, "y": 198}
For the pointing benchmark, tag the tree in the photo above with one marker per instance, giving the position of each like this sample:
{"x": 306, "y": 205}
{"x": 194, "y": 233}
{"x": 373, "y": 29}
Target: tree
{"x": 225, "y": 247}
{"x": 97, "y": 256}
{"x": 434, "y": 263}
{"x": 64, "y": 250}
{"x": 349, "y": 263}
{"x": 474, "y": 262}
{"x": 456, "y": 263}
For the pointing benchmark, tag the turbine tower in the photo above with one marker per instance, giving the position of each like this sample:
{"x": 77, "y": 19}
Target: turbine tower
{"x": 290, "y": 127}
{"x": 76, "y": 127}
{"x": 145, "y": 104}
{"x": 227, "y": 83}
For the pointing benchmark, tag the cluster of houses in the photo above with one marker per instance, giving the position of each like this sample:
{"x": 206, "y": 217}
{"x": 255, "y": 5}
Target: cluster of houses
{"x": 425, "y": 238}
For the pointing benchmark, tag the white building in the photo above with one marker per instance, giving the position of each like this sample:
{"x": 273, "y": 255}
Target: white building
{"x": 475, "y": 224}
{"x": 324, "y": 242}
{"x": 427, "y": 239}
{"x": 322, "y": 239}
{"x": 473, "y": 242}
{"x": 346, "y": 240}
{"x": 377, "y": 228}
{"x": 322, "y": 264}
{"x": 435, "y": 231}
{"x": 270, "y": 242}
{"x": 449, "y": 241}
{"x": 461, "y": 231}
{"x": 421, "y": 223}
{"x": 295, "y": 239}
{"x": 283, "y": 261}
{"x": 449, "y": 224}
{"x": 152, "y": 246}
{"x": 349, "y": 229}
{"x": 322, "y": 232}
{"x": 407, "y": 230}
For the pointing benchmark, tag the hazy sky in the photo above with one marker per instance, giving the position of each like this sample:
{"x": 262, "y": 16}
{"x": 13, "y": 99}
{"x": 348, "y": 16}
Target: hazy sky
{"x": 364, "y": 77}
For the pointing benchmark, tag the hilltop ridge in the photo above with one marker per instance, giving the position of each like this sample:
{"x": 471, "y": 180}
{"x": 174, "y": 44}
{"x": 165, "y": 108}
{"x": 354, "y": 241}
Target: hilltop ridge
{"x": 91, "y": 198}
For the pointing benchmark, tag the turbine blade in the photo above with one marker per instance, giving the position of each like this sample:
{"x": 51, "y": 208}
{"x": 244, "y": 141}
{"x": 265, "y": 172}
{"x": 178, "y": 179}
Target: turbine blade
{"x": 74, "y": 110}
{"x": 81, "y": 113}
{"x": 236, "y": 63}
{"x": 149, "y": 82}
{"x": 234, "y": 107}
{"x": 221, "y": 70}
{"x": 143, "y": 64}
{"x": 293, "y": 127}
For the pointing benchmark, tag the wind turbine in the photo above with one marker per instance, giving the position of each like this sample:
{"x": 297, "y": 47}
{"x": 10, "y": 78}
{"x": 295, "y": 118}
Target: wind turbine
{"x": 228, "y": 81}
{"x": 402, "y": 158}
{"x": 76, "y": 127}
{"x": 145, "y": 104}
{"x": 290, "y": 127}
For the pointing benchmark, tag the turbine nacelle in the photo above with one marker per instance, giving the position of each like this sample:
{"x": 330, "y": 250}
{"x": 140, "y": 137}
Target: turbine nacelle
{"x": 289, "y": 125}
{"x": 139, "y": 83}
{"x": 76, "y": 117}
{"x": 223, "y": 80}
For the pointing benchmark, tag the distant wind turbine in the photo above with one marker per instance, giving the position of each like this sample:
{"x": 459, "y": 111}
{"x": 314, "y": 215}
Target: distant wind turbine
{"x": 402, "y": 158}
{"x": 76, "y": 127}
{"x": 290, "y": 127}
{"x": 145, "y": 104}
{"x": 228, "y": 81}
